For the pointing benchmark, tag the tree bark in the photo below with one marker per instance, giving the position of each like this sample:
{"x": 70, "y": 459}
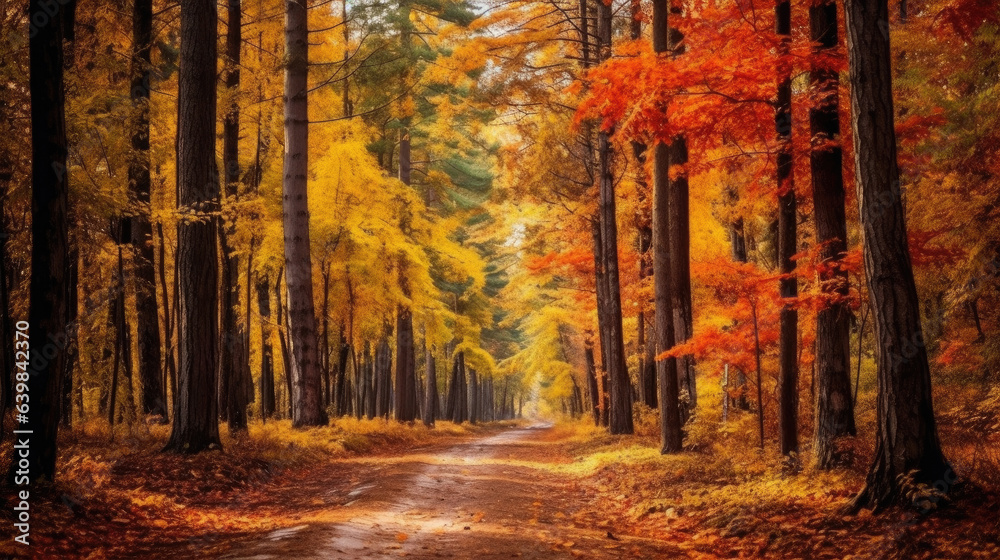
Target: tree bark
{"x": 405, "y": 383}
{"x": 620, "y": 413}
{"x": 678, "y": 224}
{"x": 266, "y": 351}
{"x": 307, "y": 390}
{"x": 834, "y": 405}
{"x": 147, "y": 310}
{"x": 906, "y": 435}
{"x": 232, "y": 381}
{"x": 196, "y": 425}
{"x": 170, "y": 365}
{"x": 788, "y": 371}
{"x": 647, "y": 359}
{"x": 473, "y": 397}
{"x": 430, "y": 392}
{"x": 383, "y": 375}
{"x": 48, "y": 310}
{"x": 282, "y": 321}
{"x": 666, "y": 370}
{"x": 738, "y": 242}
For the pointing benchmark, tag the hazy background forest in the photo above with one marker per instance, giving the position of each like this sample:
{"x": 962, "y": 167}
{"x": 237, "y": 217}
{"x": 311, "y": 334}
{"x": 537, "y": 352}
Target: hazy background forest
{"x": 744, "y": 255}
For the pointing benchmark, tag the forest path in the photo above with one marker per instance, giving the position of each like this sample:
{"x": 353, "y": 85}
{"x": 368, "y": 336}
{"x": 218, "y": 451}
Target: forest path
{"x": 508, "y": 495}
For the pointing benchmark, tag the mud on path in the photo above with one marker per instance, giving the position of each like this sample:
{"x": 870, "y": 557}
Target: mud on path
{"x": 503, "y": 496}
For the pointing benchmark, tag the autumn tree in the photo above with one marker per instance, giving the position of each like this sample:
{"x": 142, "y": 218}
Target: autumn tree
{"x": 147, "y": 314}
{"x": 235, "y": 384}
{"x": 620, "y": 414}
{"x": 48, "y": 306}
{"x": 906, "y": 436}
{"x": 679, "y": 235}
{"x": 788, "y": 357}
{"x": 196, "y": 423}
{"x": 307, "y": 391}
{"x": 834, "y": 402}
{"x": 666, "y": 369}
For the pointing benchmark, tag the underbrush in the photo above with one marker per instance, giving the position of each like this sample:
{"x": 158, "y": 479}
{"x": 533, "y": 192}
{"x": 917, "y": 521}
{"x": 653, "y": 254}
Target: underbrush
{"x": 725, "y": 496}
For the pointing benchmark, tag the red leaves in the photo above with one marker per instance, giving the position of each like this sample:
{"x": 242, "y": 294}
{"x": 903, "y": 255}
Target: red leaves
{"x": 965, "y": 17}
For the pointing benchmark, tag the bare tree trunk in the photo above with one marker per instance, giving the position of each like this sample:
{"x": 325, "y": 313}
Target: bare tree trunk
{"x": 48, "y": 312}
{"x": 679, "y": 227}
{"x": 147, "y": 311}
{"x": 430, "y": 392}
{"x": 906, "y": 435}
{"x": 473, "y": 397}
{"x": 834, "y": 405}
{"x": 666, "y": 370}
{"x": 788, "y": 372}
{"x": 169, "y": 365}
{"x": 595, "y": 403}
{"x": 760, "y": 380}
{"x": 307, "y": 390}
{"x": 620, "y": 413}
{"x": 232, "y": 379}
{"x": 72, "y": 350}
{"x": 282, "y": 321}
{"x": 266, "y": 352}
{"x": 647, "y": 358}
{"x": 196, "y": 423}
{"x": 383, "y": 375}
{"x": 324, "y": 338}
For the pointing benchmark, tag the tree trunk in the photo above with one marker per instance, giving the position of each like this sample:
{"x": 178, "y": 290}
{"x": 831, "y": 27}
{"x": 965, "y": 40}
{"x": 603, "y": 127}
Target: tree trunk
{"x": 666, "y": 370}
{"x": 383, "y": 375}
{"x": 788, "y": 371}
{"x": 906, "y": 435}
{"x": 369, "y": 371}
{"x": 169, "y": 366}
{"x": 196, "y": 423}
{"x": 146, "y": 308}
{"x": 834, "y": 405}
{"x": 307, "y": 390}
{"x": 679, "y": 236}
{"x": 620, "y": 413}
{"x": 738, "y": 241}
{"x": 473, "y": 397}
{"x": 232, "y": 381}
{"x": 324, "y": 338}
{"x": 345, "y": 404}
{"x": 286, "y": 359}
{"x": 266, "y": 352}
{"x": 595, "y": 403}
{"x": 72, "y": 351}
{"x": 647, "y": 358}
{"x": 48, "y": 311}
{"x": 430, "y": 392}
{"x": 760, "y": 380}
{"x": 601, "y": 289}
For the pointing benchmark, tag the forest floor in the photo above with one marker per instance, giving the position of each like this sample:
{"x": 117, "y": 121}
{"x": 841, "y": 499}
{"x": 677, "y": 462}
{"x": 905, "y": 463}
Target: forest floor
{"x": 376, "y": 489}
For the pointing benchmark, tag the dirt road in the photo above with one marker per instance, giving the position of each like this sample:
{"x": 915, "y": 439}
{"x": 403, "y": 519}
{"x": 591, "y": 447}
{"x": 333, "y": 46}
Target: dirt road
{"x": 504, "y": 496}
